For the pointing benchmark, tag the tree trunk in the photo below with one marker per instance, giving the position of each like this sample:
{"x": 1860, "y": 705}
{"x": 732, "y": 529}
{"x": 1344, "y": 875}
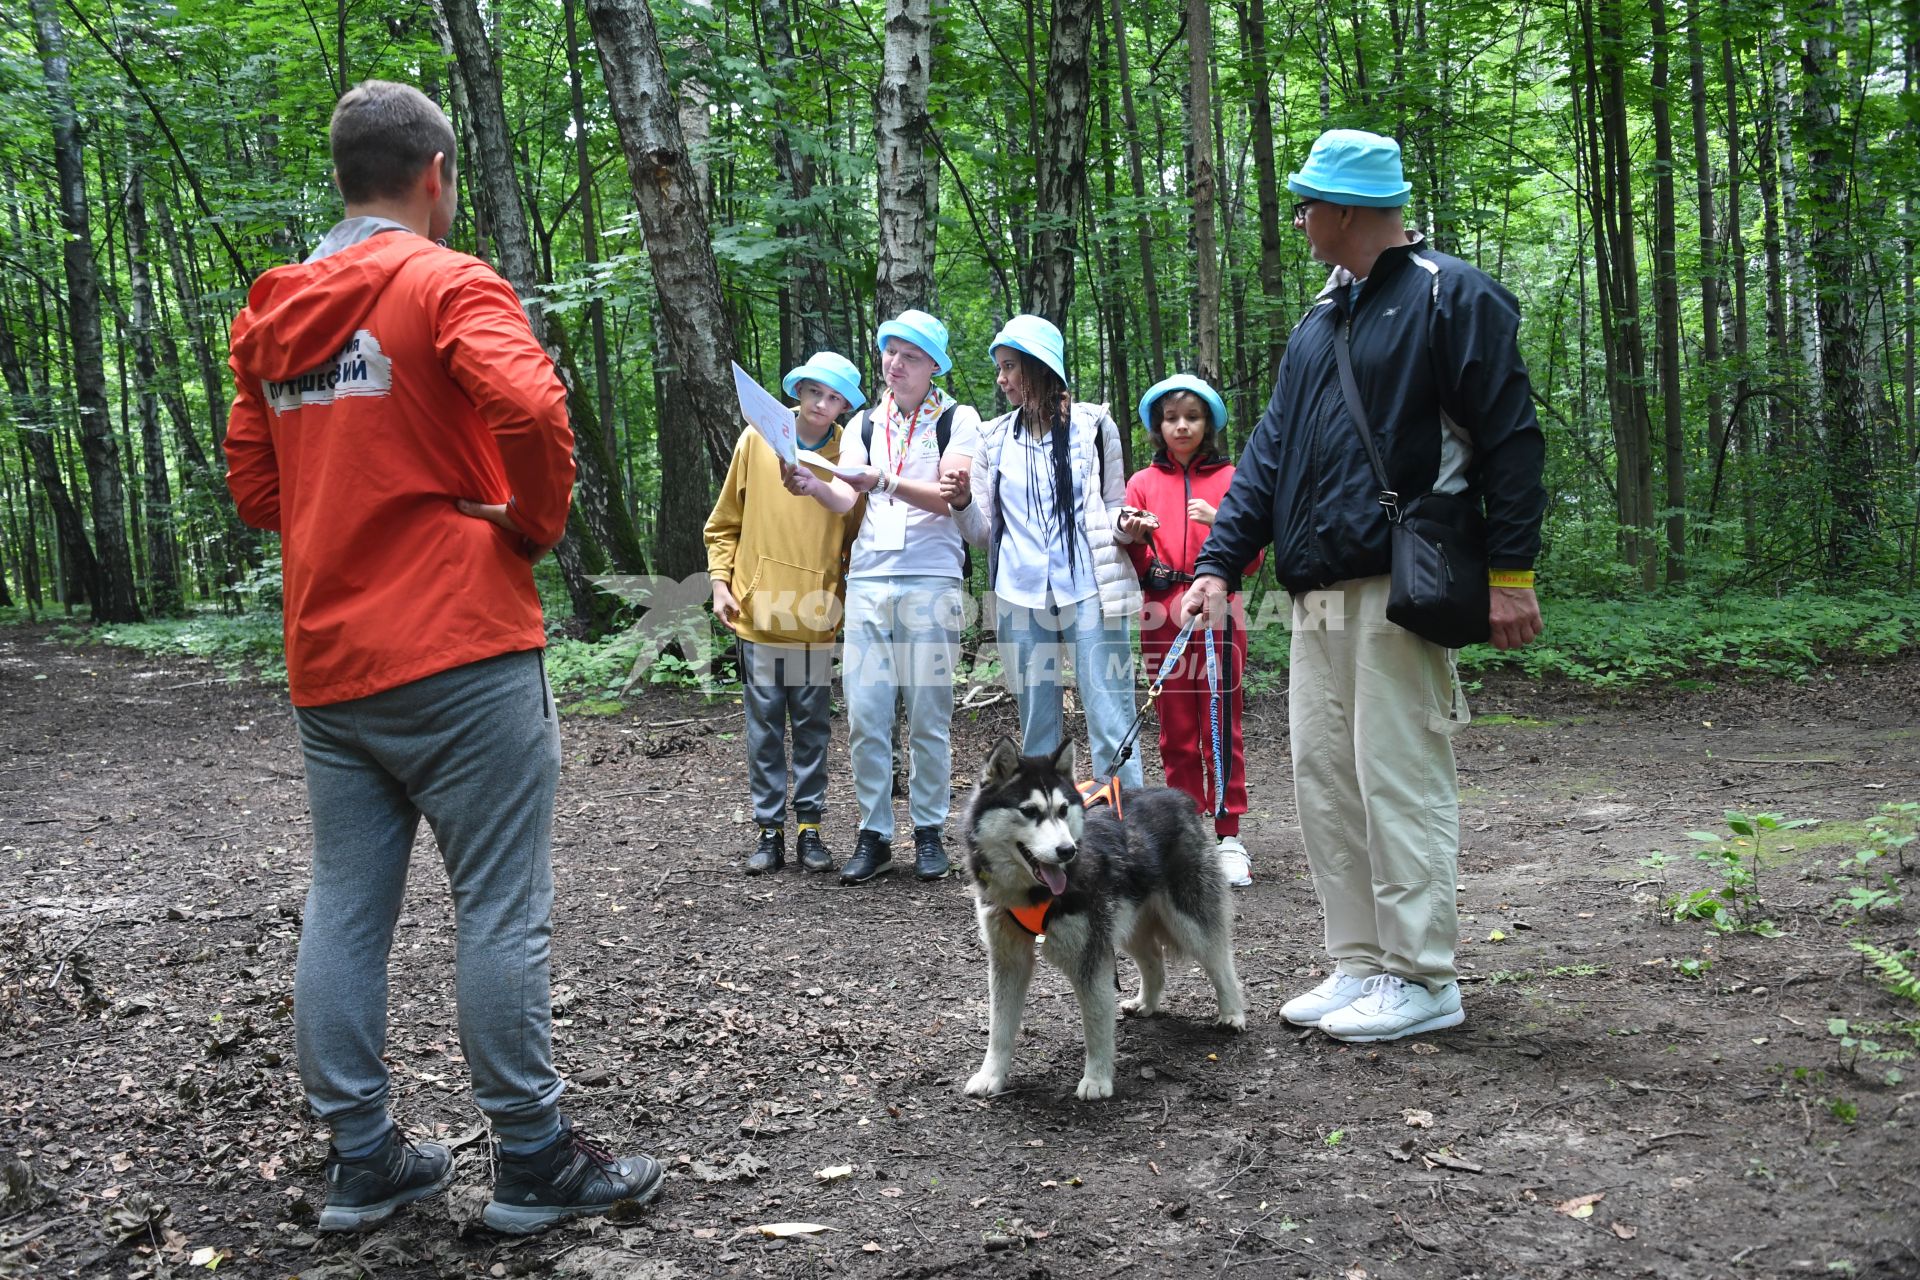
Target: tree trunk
{"x": 163, "y": 559}
{"x": 685, "y": 277}
{"x": 117, "y": 600}
{"x": 599, "y": 514}
{"x": 908, "y": 189}
{"x": 1779, "y": 363}
{"x": 803, "y": 285}
{"x": 1206, "y": 250}
{"x": 1272, "y": 286}
{"x": 1709, "y": 245}
{"x": 1667, "y": 299}
{"x": 1832, "y": 250}
{"x": 1149, "y": 285}
{"x": 590, "y": 237}
{"x": 1062, "y": 162}
{"x": 1737, "y": 257}
{"x": 1802, "y": 327}
{"x": 34, "y": 430}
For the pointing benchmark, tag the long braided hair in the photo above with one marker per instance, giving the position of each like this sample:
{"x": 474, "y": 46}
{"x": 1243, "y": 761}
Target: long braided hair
{"x": 1047, "y": 394}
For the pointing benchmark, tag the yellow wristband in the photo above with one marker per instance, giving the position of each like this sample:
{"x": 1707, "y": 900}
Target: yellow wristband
{"x": 1522, "y": 578}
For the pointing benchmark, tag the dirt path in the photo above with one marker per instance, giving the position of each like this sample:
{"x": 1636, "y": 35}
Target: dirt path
{"x": 154, "y": 840}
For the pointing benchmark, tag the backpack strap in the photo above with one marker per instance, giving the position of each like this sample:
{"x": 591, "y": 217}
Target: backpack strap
{"x": 943, "y": 429}
{"x": 866, "y": 431}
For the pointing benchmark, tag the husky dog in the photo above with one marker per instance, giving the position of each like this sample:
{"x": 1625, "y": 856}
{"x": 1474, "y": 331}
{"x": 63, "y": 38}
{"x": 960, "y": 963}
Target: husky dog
{"x": 1084, "y": 883}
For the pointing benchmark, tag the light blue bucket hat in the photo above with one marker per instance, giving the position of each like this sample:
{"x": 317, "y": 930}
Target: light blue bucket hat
{"x": 829, "y": 369}
{"x": 1216, "y": 407}
{"x": 923, "y": 331}
{"x": 1351, "y": 166}
{"x": 1037, "y": 336}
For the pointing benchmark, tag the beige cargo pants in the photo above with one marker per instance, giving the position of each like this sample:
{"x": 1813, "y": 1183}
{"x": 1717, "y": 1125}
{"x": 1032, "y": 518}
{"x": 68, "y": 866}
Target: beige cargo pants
{"x": 1373, "y": 709}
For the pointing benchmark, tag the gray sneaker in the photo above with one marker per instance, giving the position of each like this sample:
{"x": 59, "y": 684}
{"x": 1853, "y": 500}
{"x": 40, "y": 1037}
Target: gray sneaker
{"x": 365, "y": 1191}
{"x": 570, "y": 1177}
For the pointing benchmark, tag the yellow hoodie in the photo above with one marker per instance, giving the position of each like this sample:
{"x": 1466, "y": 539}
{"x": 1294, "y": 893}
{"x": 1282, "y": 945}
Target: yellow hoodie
{"x": 784, "y": 557}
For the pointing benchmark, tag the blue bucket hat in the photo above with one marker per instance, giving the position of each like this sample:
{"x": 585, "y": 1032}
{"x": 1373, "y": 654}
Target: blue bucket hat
{"x": 923, "y": 331}
{"x": 1216, "y": 407}
{"x": 830, "y": 370}
{"x": 1037, "y": 336}
{"x": 1351, "y": 166}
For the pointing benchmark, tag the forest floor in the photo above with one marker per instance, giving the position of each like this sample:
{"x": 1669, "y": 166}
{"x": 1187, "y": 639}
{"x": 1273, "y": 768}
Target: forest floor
{"x": 754, "y": 1033}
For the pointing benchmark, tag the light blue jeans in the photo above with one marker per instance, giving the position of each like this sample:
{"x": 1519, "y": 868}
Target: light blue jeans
{"x": 1034, "y": 647}
{"x": 902, "y": 637}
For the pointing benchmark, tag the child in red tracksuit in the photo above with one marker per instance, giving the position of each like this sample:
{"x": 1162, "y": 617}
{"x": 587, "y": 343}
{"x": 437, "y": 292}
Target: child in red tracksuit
{"x": 1170, "y": 508}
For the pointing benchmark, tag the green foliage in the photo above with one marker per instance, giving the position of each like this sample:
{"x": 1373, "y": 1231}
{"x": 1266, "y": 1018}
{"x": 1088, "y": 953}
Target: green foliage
{"x": 1734, "y": 906}
{"x": 1888, "y": 833}
{"x": 240, "y": 644}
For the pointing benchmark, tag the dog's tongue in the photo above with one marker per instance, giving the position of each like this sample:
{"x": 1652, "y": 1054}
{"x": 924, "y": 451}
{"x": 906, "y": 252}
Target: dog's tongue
{"x": 1055, "y": 877}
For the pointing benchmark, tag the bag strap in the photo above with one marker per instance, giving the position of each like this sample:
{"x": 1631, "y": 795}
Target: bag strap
{"x": 866, "y": 432}
{"x": 943, "y": 429}
{"x": 1342, "y": 322}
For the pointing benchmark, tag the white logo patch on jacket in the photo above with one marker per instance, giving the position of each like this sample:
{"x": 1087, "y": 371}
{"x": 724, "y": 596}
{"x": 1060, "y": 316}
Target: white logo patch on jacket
{"x": 361, "y": 369}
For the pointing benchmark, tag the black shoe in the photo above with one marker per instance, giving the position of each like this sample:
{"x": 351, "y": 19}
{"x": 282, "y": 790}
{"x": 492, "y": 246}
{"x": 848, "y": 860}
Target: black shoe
{"x": 871, "y": 857}
{"x": 770, "y": 854}
{"x": 567, "y": 1178}
{"x": 812, "y": 850}
{"x": 929, "y": 855}
{"x": 365, "y": 1191}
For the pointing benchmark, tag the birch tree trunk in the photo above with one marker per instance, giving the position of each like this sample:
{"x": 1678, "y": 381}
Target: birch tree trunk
{"x": 1272, "y": 285}
{"x": 117, "y": 600}
{"x": 909, "y": 190}
{"x": 590, "y": 237}
{"x": 1062, "y": 162}
{"x": 1149, "y": 284}
{"x": 803, "y": 287}
{"x": 697, "y": 435}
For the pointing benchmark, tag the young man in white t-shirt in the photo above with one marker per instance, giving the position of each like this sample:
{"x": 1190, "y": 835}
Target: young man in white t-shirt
{"x": 905, "y": 595}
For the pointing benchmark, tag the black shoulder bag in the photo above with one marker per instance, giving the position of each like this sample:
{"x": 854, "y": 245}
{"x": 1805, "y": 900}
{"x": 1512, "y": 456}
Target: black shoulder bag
{"x": 1439, "y": 589}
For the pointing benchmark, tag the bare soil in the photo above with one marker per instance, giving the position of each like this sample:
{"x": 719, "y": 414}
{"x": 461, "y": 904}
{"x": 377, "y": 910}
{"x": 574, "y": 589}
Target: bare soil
{"x": 755, "y": 1033}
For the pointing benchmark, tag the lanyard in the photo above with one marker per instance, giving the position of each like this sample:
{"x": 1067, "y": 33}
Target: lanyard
{"x": 899, "y": 459}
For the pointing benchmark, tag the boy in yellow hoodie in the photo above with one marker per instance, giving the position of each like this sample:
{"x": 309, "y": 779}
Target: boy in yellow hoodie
{"x": 778, "y": 569}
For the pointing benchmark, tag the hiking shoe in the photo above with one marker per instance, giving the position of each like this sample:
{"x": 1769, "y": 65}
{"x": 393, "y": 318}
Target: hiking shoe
{"x": 871, "y": 857}
{"x": 770, "y": 854}
{"x": 568, "y": 1178}
{"x": 929, "y": 854}
{"x": 365, "y": 1191}
{"x": 1234, "y": 863}
{"x": 1337, "y": 992}
{"x": 1389, "y": 1008}
{"x": 812, "y": 850}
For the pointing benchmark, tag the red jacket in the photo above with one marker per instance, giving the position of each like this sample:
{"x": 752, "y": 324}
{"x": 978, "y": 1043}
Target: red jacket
{"x": 1164, "y": 488}
{"x": 374, "y": 388}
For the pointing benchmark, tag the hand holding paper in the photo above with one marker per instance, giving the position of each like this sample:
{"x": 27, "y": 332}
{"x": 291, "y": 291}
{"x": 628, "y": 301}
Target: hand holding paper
{"x": 773, "y": 420}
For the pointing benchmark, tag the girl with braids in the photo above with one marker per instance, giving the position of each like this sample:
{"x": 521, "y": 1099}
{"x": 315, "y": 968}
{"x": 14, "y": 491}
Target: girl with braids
{"x": 1043, "y": 496}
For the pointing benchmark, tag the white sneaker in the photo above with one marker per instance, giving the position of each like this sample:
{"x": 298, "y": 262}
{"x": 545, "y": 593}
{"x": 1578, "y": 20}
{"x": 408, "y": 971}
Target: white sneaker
{"x": 1390, "y": 1008}
{"x": 1234, "y": 863}
{"x": 1337, "y": 992}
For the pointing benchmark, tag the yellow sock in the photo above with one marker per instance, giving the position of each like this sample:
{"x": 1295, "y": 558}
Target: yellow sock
{"x": 805, "y": 826}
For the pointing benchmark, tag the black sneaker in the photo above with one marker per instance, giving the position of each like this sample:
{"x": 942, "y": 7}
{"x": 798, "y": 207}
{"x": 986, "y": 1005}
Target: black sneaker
{"x": 568, "y": 1178}
{"x": 929, "y": 854}
{"x": 871, "y": 857}
{"x": 365, "y": 1191}
{"x": 812, "y": 850}
{"x": 770, "y": 854}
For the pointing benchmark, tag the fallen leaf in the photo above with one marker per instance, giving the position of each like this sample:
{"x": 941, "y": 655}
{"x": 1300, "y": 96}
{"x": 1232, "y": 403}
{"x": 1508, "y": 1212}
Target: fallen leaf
{"x": 743, "y": 1166}
{"x": 832, "y": 1172}
{"x": 207, "y": 1256}
{"x": 1418, "y": 1119}
{"x": 1423, "y": 1048}
{"x": 892, "y": 1193}
{"x": 781, "y": 1230}
{"x": 1580, "y": 1206}
{"x": 1622, "y": 1229}
{"x": 871, "y": 1246}
{"x": 1496, "y": 936}
{"x": 270, "y": 1168}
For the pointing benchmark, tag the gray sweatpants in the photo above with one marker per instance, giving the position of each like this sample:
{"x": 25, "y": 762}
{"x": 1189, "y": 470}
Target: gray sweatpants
{"x": 782, "y": 684}
{"x": 476, "y": 750}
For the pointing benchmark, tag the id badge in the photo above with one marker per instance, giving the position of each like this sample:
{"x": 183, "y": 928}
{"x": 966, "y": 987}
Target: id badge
{"x": 888, "y": 516}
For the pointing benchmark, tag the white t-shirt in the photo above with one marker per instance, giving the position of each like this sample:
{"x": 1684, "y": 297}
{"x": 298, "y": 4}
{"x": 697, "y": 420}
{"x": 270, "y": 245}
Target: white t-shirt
{"x": 898, "y": 539}
{"x": 1033, "y": 572}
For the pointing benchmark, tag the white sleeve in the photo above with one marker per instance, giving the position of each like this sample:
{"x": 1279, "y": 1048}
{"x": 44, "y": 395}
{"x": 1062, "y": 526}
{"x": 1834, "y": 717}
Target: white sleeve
{"x": 853, "y": 450}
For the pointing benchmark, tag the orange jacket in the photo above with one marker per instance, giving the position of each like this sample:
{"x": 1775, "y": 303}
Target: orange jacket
{"x": 373, "y": 388}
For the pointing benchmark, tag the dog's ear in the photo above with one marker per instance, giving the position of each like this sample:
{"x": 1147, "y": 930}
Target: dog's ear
{"x": 1066, "y": 759}
{"x": 1000, "y": 763}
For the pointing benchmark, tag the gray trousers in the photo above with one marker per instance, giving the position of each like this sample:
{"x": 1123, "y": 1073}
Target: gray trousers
{"x": 476, "y": 750}
{"x": 781, "y": 685}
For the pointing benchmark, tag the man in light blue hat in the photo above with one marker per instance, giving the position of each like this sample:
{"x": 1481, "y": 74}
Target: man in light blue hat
{"x": 904, "y": 600}
{"x": 1438, "y": 382}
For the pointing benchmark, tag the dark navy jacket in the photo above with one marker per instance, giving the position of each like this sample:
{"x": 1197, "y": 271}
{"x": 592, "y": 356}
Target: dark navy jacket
{"x": 1435, "y": 352}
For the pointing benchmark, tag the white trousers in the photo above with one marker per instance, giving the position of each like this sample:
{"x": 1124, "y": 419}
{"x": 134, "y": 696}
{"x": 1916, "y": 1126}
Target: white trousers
{"x": 1372, "y": 709}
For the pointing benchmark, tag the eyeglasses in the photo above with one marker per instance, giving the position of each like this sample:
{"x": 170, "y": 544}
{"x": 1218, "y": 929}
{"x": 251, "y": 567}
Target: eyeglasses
{"x": 1300, "y": 208}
